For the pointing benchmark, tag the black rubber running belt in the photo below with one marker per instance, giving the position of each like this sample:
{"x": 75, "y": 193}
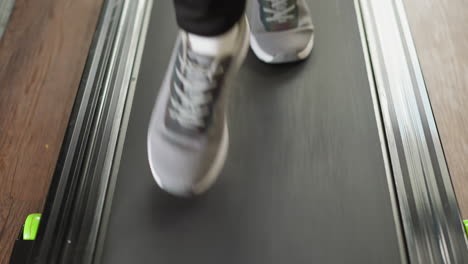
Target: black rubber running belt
{"x": 304, "y": 182}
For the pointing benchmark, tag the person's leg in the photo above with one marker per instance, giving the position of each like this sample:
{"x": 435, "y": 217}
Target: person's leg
{"x": 188, "y": 135}
{"x": 208, "y": 17}
{"x": 281, "y": 30}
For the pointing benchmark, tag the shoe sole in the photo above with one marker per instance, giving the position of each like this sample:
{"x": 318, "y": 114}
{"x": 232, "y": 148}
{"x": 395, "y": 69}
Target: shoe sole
{"x": 210, "y": 178}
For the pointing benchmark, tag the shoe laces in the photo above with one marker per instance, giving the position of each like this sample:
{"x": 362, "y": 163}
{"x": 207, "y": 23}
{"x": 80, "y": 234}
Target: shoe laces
{"x": 193, "y": 85}
{"x": 279, "y": 11}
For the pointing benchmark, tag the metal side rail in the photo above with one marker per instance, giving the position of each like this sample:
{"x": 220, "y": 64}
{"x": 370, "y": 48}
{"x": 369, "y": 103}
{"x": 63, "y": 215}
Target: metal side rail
{"x": 431, "y": 219}
{"x": 74, "y": 204}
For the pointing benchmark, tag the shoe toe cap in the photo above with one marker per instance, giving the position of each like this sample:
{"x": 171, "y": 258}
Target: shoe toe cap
{"x": 178, "y": 168}
{"x": 175, "y": 170}
{"x": 280, "y": 47}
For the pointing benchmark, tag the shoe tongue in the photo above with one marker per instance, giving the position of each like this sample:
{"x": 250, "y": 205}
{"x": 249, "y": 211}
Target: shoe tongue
{"x": 278, "y": 25}
{"x": 275, "y": 26}
{"x": 199, "y": 59}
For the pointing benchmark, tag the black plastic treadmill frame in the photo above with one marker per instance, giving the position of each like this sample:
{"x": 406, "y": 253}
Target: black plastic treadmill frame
{"x": 21, "y": 250}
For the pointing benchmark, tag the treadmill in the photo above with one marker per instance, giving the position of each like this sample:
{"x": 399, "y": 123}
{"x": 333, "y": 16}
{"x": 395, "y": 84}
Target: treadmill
{"x": 336, "y": 159}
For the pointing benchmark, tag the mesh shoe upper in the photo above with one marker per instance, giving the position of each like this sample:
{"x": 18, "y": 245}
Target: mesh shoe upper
{"x": 195, "y": 87}
{"x": 187, "y": 123}
{"x": 187, "y": 135}
{"x": 277, "y": 15}
{"x": 281, "y": 28}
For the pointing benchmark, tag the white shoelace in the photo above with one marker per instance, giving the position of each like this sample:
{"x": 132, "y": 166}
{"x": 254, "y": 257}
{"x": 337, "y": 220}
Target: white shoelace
{"x": 279, "y": 11}
{"x": 192, "y": 104}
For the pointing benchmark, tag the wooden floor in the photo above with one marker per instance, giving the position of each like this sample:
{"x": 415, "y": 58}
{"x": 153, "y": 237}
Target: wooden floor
{"x": 42, "y": 56}
{"x": 439, "y": 29}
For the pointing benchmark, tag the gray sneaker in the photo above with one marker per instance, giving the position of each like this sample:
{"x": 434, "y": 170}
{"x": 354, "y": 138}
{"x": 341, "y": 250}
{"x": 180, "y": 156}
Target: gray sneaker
{"x": 188, "y": 134}
{"x": 281, "y": 30}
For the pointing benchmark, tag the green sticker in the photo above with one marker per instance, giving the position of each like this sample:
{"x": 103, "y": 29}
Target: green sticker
{"x": 466, "y": 226}
{"x": 31, "y": 226}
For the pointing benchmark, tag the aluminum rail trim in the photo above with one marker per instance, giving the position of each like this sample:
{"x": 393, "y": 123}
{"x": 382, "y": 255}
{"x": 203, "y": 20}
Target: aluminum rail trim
{"x": 430, "y": 215}
{"x": 114, "y": 154}
{"x": 119, "y": 84}
{"x": 383, "y": 142}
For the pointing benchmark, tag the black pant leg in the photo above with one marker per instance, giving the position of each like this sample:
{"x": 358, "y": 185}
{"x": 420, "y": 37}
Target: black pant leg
{"x": 208, "y": 17}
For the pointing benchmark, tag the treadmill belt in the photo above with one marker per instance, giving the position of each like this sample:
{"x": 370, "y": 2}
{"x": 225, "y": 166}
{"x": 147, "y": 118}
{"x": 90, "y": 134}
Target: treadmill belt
{"x": 304, "y": 181}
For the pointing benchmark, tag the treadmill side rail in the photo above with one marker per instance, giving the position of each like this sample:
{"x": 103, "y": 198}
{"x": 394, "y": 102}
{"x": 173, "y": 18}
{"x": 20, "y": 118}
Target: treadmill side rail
{"x": 70, "y": 221}
{"x": 430, "y": 215}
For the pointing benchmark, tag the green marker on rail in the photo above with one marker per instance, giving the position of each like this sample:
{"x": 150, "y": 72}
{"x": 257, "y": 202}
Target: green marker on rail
{"x": 466, "y": 226}
{"x": 31, "y": 225}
